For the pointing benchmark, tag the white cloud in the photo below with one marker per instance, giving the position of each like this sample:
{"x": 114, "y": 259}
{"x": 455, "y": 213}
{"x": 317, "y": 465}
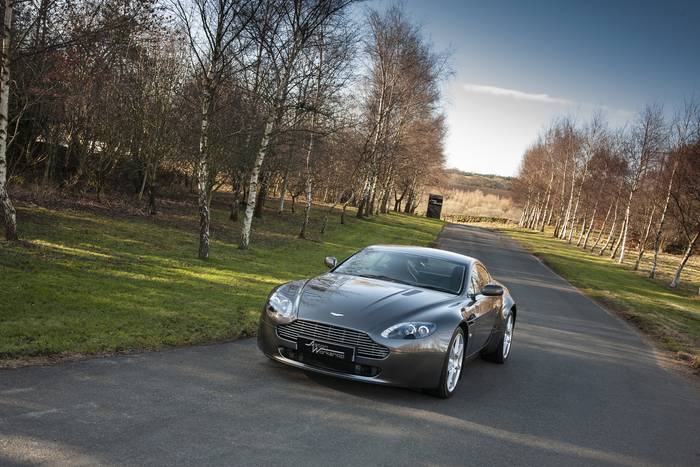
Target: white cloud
{"x": 494, "y": 91}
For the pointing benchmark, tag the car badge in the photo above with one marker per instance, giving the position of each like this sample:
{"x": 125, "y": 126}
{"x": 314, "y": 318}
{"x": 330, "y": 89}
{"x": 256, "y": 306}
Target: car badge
{"x": 337, "y": 314}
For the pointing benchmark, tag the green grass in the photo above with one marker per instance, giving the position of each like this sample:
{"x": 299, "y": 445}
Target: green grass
{"x": 92, "y": 281}
{"x": 671, "y": 317}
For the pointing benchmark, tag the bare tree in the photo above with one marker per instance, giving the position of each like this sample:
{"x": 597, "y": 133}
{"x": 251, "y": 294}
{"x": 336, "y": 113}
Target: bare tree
{"x": 685, "y": 129}
{"x": 215, "y": 30}
{"x": 686, "y": 198}
{"x": 401, "y": 89}
{"x": 332, "y": 59}
{"x": 299, "y": 21}
{"x": 646, "y": 145}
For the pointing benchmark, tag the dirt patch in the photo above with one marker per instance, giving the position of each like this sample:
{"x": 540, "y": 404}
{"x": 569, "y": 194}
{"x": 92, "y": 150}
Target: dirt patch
{"x": 120, "y": 205}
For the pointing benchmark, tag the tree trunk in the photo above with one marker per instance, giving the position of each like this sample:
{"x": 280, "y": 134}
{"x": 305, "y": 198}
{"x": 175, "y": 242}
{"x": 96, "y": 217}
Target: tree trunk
{"x": 204, "y": 219}
{"x": 526, "y": 209}
{"x": 309, "y": 180}
{"x": 621, "y": 238}
{"x": 583, "y": 228}
{"x": 50, "y": 160}
{"x": 562, "y": 201}
{"x": 272, "y": 118}
{"x": 363, "y": 197}
{"x": 384, "y": 199}
{"x": 143, "y": 186}
{"x": 569, "y": 213}
{"x": 285, "y": 179}
{"x": 337, "y": 200}
{"x": 602, "y": 229}
{"x": 397, "y": 201}
{"x": 546, "y": 204}
{"x": 590, "y": 227}
{"x": 283, "y": 191}
{"x": 657, "y": 243}
{"x": 642, "y": 245}
{"x": 686, "y": 256}
{"x": 626, "y": 227}
{"x": 262, "y": 196}
{"x": 307, "y": 207}
{"x": 152, "y": 199}
{"x": 8, "y": 211}
{"x": 235, "y": 207}
{"x": 612, "y": 231}
{"x": 573, "y": 223}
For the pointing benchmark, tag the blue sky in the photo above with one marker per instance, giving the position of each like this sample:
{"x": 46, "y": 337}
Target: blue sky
{"x": 519, "y": 64}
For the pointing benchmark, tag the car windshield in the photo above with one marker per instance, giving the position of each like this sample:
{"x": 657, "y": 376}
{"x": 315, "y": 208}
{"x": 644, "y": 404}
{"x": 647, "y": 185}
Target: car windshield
{"x": 417, "y": 270}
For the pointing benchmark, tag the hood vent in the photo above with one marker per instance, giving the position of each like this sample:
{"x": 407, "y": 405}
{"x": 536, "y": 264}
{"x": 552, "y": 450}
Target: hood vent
{"x": 411, "y": 292}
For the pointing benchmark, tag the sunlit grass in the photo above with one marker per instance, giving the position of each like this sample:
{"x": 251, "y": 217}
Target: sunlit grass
{"x": 670, "y": 316}
{"x": 85, "y": 283}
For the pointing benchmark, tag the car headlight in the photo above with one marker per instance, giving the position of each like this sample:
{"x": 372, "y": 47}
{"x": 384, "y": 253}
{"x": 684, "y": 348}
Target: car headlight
{"x": 280, "y": 305}
{"x": 409, "y": 331}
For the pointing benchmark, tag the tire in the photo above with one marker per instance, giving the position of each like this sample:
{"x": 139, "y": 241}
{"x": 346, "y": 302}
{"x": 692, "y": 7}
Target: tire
{"x": 452, "y": 368}
{"x": 500, "y": 355}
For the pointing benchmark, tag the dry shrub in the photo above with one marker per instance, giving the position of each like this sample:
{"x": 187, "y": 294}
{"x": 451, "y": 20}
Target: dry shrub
{"x": 475, "y": 203}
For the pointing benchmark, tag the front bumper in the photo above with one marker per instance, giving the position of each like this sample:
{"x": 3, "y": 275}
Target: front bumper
{"x": 411, "y": 363}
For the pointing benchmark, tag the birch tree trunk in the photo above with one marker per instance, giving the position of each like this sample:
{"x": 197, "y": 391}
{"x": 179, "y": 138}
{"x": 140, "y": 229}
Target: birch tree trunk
{"x": 337, "y": 200}
{"x": 568, "y": 209}
{"x": 602, "y": 229}
{"x": 8, "y": 211}
{"x": 273, "y": 116}
{"x": 202, "y": 201}
{"x": 626, "y": 226}
{"x": 651, "y": 138}
{"x": 657, "y": 242}
{"x": 546, "y": 204}
{"x": 612, "y": 232}
{"x": 309, "y": 172}
{"x": 590, "y": 227}
{"x": 583, "y": 227}
{"x": 642, "y": 245}
{"x": 620, "y": 241}
{"x": 686, "y": 256}
{"x": 562, "y": 201}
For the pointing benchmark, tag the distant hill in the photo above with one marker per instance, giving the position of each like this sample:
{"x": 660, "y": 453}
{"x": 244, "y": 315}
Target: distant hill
{"x": 488, "y": 184}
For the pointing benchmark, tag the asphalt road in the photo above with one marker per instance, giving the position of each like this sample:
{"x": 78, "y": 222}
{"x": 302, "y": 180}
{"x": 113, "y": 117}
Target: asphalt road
{"x": 579, "y": 388}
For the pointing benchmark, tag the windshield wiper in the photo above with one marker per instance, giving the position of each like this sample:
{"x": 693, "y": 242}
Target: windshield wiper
{"x": 434, "y": 287}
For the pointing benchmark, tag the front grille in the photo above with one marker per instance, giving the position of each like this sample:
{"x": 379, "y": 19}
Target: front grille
{"x": 365, "y": 347}
{"x": 330, "y": 363}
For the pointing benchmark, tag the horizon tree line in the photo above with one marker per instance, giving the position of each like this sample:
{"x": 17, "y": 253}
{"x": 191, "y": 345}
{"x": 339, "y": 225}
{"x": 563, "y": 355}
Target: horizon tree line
{"x": 612, "y": 189}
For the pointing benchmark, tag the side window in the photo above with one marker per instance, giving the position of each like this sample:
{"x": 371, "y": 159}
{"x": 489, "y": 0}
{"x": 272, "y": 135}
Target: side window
{"x": 475, "y": 284}
{"x": 483, "y": 276}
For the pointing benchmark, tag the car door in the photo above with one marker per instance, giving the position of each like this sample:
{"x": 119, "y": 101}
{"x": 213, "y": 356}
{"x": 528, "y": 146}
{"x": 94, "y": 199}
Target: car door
{"x": 481, "y": 312}
{"x": 489, "y": 306}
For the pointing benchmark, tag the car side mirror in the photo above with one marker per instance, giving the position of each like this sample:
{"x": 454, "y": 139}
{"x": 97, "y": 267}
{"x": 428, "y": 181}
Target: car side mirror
{"x": 492, "y": 290}
{"x": 330, "y": 261}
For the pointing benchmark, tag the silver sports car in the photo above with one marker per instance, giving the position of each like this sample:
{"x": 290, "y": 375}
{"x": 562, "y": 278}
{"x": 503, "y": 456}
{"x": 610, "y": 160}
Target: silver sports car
{"x": 398, "y": 315}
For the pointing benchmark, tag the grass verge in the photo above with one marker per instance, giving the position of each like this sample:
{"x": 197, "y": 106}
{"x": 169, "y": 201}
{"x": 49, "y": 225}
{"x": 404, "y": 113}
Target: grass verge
{"x": 89, "y": 281}
{"x": 671, "y": 317}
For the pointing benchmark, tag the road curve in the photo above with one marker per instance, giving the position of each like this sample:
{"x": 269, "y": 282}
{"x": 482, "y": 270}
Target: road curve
{"x": 580, "y": 388}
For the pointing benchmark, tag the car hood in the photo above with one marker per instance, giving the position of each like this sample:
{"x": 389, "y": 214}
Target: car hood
{"x": 363, "y": 303}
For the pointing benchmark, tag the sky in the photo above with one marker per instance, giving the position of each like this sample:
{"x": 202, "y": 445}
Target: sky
{"x": 520, "y": 64}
